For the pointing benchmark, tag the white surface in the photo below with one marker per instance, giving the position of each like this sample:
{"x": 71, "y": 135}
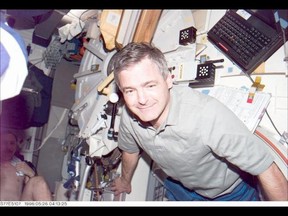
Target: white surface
{"x": 166, "y": 36}
{"x": 274, "y": 84}
{"x": 182, "y": 64}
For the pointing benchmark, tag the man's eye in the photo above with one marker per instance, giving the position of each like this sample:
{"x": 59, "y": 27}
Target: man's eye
{"x": 128, "y": 91}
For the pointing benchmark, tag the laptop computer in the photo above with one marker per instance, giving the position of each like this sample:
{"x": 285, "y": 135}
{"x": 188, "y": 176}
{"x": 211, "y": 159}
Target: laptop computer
{"x": 247, "y": 37}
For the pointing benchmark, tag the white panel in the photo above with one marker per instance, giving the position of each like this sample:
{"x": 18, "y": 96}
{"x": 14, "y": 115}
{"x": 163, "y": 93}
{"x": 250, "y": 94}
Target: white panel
{"x": 166, "y": 36}
{"x": 128, "y": 25}
{"x": 140, "y": 180}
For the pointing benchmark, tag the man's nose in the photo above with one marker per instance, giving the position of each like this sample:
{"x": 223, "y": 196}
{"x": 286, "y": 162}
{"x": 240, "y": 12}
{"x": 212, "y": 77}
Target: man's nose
{"x": 142, "y": 96}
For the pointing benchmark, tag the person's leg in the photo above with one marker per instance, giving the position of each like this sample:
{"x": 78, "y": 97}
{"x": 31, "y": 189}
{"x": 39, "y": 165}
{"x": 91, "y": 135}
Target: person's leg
{"x": 175, "y": 191}
{"x": 243, "y": 192}
{"x": 36, "y": 189}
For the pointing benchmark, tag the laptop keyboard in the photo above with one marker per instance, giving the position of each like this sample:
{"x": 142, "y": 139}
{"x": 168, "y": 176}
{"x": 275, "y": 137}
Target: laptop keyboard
{"x": 243, "y": 43}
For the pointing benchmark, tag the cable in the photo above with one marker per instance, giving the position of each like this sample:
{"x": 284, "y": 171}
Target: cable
{"x": 285, "y": 51}
{"x": 87, "y": 18}
{"x": 51, "y": 132}
{"x": 200, "y": 50}
{"x": 272, "y": 123}
{"x": 82, "y": 27}
{"x": 32, "y": 65}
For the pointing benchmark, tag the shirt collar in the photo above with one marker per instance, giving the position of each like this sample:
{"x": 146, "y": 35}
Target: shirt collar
{"x": 173, "y": 115}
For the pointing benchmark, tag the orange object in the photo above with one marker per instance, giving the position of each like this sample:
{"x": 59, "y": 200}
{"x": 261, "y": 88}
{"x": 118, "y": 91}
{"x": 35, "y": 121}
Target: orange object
{"x": 256, "y": 86}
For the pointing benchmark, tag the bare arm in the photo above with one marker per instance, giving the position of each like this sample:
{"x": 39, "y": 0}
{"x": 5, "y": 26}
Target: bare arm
{"x": 129, "y": 164}
{"x": 274, "y": 184}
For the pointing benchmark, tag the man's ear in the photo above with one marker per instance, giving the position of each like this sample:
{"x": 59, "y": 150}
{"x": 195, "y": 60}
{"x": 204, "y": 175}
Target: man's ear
{"x": 169, "y": 81}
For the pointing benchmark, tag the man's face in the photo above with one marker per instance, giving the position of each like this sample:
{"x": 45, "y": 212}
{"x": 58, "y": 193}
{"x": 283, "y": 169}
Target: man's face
{"x": 8, "y": 147}
{"x": 146, "y": 92}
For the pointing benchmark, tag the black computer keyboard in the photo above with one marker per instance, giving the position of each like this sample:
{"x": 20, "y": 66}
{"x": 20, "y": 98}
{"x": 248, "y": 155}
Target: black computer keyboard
{"x": 245, "y": 41}
{"x": 242, "y": 43}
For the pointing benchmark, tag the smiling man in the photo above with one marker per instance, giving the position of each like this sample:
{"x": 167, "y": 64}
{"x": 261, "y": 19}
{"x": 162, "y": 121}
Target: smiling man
{"x": 207, "y": 152}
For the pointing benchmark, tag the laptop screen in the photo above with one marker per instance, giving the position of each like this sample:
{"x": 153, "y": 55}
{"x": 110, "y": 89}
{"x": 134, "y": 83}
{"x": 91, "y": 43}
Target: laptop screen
{"x": 266, "y": 16}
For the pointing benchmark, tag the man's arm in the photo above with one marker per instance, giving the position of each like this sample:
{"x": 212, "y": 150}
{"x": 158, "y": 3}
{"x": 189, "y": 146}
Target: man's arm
{"x": 129, "y": 164}
{"x": 274, "y": 184}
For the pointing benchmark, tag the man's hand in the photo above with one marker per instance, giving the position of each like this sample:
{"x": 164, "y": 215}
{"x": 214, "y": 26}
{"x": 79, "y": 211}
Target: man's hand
{"x": 25, "y": 168}
{"x": 123, "y": 183}
{"x": 119, "y": 186}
